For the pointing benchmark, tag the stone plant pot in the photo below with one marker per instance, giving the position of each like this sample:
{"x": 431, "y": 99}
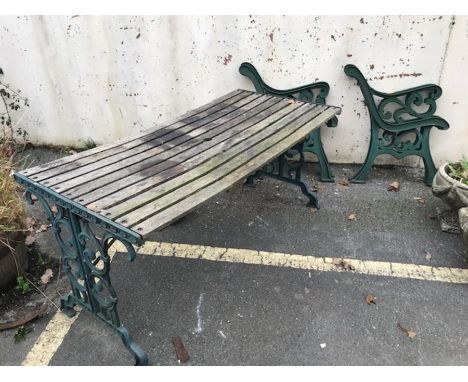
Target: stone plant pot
{"x": 463, "y": 219}
{"x": 455, "y": 195}
{"x": 8, "y": 266}
{"x": 451, "y": 191}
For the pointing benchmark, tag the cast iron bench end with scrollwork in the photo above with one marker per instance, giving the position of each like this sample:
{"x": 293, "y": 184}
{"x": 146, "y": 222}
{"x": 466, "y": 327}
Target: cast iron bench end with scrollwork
{"x": 316, "y": 92}
{"x": 400, "y": 123}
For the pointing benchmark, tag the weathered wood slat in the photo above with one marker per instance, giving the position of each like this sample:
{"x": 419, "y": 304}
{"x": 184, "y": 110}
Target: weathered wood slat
{"x": 139, "y": 183}
{"x": 145, "y": 182}
{"x": 146, "y": 204}
{"x": 162, "y": 136}
{"x": 186, "y": 205}
{"x": 178, "y": 159}
{"x": 140, "y": 161}
{"x": 129, "y": 140}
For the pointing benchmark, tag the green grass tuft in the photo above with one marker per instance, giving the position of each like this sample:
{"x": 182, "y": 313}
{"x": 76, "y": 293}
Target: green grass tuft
{"x": 12, "y": 212}
{"x": 459, "y": 170}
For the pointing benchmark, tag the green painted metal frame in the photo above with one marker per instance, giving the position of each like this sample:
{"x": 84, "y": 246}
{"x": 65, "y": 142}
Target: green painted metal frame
{"x": 312, "y": 93}
{"x": 86, "y": 260}
{"x": 400, "y": 123}
{"x": 281, "y": 169}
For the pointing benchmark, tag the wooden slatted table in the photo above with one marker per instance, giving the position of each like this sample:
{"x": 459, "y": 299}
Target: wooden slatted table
{"x": 144, "y": 183}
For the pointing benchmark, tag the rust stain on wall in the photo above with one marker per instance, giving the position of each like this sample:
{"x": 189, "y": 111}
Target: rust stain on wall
{"x": 227, "y": 59}
{"x": 271, "y": 34}
{"x": 400, "y": 75}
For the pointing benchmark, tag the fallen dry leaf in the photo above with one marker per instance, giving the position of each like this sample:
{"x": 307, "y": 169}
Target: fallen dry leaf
{"x": 411, "y": 334}
{"x": 43, "y": 227}
{"x": 419, "y": 200}
{"x": 181, "y": 353}
{"x": 348, "y": 266}
{"x": 351, "y": 217}
{"x": 394, "y": 186}
{"x": 344, "y": 182}
{"x": 48, "y": 274}
{"x": 337, "y": 261}
{"x": 427, "y": 255}
{"x": 313, "y": 210}
{"x": 370, "y": 299}
{"x": 30, "y": 222}
{"x": 30, "y": 239}
{"x": 54, "y": 209}
{"x": 91, "y": 206}
{"x": 341, "y": 263}
{"x": 33, "y": 197}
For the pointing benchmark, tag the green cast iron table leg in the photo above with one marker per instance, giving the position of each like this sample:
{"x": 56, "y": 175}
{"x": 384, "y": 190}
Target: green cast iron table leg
{"x": 287, "y": 172}
{"x": 86, "y": 262}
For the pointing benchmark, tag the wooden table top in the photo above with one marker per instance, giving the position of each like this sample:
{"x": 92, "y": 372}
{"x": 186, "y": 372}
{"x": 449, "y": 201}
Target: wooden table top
{"x": 146, "y": 182}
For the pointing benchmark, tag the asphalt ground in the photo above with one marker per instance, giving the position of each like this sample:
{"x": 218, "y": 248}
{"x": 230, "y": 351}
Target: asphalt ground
{"x": 237, "y": 313}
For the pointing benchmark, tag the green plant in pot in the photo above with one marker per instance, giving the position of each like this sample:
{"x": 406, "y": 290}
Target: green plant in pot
{"x": 451, "y": 185}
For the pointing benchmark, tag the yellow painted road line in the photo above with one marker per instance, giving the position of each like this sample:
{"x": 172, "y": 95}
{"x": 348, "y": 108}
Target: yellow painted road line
{"x": 52, "y": 337}
{"x": 49, "y": 341}
{"x": 326, "y": 264}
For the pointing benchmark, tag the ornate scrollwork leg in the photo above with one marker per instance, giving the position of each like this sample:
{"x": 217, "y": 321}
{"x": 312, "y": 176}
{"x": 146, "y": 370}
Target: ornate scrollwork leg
{"x": 284, "y": 171}
{"x": 429, "y": 167}
{"x": 86, "y": 262}
{"x": 398, "y": 144}
{"x": 363, "y": 172}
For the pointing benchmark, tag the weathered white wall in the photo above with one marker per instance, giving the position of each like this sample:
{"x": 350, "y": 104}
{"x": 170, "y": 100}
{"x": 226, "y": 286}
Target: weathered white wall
{"x": 107, "y": 77}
